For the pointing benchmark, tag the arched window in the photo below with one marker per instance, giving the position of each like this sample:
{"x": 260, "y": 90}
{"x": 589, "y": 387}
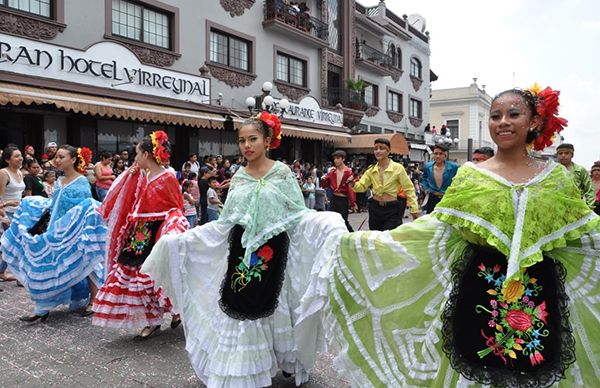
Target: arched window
{"x": 399, "y": 64}
{"x": 416, "y": 69}
{"x": 392, "y": 53}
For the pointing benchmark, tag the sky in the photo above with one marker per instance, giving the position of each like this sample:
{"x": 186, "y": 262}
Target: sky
{"x": 555, "y": 43}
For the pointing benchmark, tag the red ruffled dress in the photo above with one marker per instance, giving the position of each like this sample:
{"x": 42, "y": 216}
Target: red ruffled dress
{"x": 138, "y": 212}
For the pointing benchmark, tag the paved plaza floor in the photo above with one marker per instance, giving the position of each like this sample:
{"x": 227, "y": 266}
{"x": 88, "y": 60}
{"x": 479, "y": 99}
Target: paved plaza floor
{"x": 67, "y": 351}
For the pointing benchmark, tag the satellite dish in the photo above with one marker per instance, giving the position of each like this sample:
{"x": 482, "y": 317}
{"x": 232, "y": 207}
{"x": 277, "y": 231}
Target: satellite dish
{"x": 418, "y": 22}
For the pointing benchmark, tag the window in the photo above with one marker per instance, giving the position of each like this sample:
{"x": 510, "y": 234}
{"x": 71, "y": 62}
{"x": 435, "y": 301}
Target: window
{"x": 392, "y": 53}
{"x": 399, "y": 64}
{"x": 36, "y": 7}
{"x": 370, "y": 95}
{"x": 290, "y": 69}
{"x": 453, "y": 125}
{"x": 394, "y": 102}
{"x": 229, "y": 50}
{"x": 416, "y": 68}
{"x": 416, "y": 108}
{"x": 334, "y": 10}
{"x": 136, "y": 21}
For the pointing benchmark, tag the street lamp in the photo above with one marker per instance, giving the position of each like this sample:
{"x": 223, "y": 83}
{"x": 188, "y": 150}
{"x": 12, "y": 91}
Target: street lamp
{"x": 446, "y": 139}
{"x": 267, "y": 102}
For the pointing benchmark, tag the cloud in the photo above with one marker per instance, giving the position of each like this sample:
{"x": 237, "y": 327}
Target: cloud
{"x": 517, "y": 43}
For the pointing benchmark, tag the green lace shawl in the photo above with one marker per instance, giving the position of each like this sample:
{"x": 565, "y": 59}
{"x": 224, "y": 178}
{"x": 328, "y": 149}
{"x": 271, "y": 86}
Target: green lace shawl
{"x": 264, "y": 207}
{"x": 520, "y": 220}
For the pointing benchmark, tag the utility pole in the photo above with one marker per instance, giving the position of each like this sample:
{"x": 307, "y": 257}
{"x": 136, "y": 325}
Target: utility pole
{"x": 469, "y": 149}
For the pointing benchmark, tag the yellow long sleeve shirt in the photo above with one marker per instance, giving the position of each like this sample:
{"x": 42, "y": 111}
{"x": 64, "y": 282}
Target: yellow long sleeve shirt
{"x": 394, "y": 176}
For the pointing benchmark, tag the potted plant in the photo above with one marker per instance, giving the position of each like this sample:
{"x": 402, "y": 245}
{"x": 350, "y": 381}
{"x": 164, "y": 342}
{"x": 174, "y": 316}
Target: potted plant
{"x": 356, "y": 88}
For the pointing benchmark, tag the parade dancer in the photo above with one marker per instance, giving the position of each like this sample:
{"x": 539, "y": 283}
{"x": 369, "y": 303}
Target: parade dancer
{"x": 437, "y": 176}
{"x": 337, "y": 180}
{"x": 583, "y": 181}
{"x": 143, "y": 204}
{"x": 239, "y": 282}
{"x": 385, "y": 178}
{"x": 498, "y": 286}
{"x": 56, "y": 247}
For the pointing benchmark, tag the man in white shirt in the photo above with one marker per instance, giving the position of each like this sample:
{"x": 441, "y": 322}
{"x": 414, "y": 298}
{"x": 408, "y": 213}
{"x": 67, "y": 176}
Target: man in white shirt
{"x": 193, "y": 161}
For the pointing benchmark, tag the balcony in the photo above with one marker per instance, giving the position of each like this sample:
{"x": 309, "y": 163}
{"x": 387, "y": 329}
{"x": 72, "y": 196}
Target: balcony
{"x": 353, "y": 104}
{"x": 348, "y": 98}
{"x": 286, "y": 19}
{"x": 374, "y": 60}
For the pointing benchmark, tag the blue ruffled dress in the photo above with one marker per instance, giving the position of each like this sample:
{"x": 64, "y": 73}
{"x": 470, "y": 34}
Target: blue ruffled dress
{"x": 54, "y": 266}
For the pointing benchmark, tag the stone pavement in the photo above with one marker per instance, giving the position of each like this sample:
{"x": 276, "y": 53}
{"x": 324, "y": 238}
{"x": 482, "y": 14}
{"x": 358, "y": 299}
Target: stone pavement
{"x": 67, "y": 351}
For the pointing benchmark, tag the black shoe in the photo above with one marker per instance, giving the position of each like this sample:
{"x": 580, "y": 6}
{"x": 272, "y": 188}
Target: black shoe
{"x": 175, "y": 323}
{"x": 286, "y": 374}
{"x": 33, "y": 318}
{"x": 87, "y": 312}
{"x": 147, "y": 335}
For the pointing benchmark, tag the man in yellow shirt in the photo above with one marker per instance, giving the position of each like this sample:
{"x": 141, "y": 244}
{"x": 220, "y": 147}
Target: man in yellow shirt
{"x": 385, "y": 179}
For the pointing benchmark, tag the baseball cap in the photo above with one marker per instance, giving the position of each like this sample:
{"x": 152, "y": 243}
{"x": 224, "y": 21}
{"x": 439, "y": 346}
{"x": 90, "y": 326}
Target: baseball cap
{"x": 51, "y": 144}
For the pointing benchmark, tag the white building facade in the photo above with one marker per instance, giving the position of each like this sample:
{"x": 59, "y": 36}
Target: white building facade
{"x": 465, "y": 112}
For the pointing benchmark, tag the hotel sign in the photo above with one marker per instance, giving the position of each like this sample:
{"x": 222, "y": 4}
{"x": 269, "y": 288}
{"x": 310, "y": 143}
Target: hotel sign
{"x": 104, "y": 64}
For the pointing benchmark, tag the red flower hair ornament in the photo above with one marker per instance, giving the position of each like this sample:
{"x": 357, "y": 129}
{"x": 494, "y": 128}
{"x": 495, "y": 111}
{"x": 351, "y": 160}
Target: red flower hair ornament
{"x": 274, "y": 124}
{"x": 547, "y": 108}
{"x": 84, "y": 157}
{"x": 159, "y": 151}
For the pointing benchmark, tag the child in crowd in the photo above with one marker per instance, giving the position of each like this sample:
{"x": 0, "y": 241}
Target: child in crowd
{"x": 308, "y": 188}
{"x": 214, "y": 203}
{"x": 49, "y": 183}
{"x": 189, "y": 203}
{"x": 183, "y": 174}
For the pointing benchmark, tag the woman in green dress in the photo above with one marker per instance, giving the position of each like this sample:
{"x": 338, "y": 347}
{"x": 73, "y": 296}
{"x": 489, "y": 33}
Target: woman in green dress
{"x": 498, "y": 286}
{"x": 239, "y": 282}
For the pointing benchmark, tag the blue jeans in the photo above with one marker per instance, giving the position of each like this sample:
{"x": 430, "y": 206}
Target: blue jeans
{"x": 213, "y": 215}
{"x": 101, "y": 192}
{"x": 192, "y": 220}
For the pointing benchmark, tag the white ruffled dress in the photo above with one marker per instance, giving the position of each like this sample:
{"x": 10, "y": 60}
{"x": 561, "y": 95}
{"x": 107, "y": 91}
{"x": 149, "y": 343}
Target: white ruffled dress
{"x": 190, "y": 269}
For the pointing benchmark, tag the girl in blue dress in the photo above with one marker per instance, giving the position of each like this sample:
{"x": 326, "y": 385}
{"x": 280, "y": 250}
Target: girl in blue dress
{"x": 55, "y": 247}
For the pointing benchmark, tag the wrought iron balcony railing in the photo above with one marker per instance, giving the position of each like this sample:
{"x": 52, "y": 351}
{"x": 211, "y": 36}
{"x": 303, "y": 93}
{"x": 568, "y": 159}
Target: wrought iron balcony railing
{"x": 295, "y": 18}
{"x": 369, "y": 53}
{"x": 348, "y": 98}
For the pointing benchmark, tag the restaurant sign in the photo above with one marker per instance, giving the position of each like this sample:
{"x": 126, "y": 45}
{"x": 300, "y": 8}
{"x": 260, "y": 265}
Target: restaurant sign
{"x": 308, "y": 109}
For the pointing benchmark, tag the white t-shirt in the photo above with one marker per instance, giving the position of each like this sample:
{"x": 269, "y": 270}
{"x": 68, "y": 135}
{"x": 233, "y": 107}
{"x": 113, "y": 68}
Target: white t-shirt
{"x": 194, "y": 167}
{"x": 211, "y": 193}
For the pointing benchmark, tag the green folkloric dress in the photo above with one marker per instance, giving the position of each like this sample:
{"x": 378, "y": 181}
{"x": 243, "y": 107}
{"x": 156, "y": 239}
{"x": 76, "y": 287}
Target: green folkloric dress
{"x": 390, "y": 291}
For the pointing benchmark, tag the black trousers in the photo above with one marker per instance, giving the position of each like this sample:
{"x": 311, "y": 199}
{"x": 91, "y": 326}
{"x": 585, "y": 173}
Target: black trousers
{"x": 340, "y": 205}
{"x": 385, "y": 217}
{"x": 432, "y": 202}
{"x": 203, "y": 213}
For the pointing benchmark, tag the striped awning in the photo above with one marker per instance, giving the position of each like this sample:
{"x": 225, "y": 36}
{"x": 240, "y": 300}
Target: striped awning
{"x": 14, "y": 94}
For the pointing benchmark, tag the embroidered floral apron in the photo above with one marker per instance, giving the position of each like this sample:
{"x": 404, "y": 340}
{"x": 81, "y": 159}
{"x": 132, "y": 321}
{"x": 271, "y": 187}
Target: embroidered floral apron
{"x": 520, "y": 336}
{"x": 251, "y": 292}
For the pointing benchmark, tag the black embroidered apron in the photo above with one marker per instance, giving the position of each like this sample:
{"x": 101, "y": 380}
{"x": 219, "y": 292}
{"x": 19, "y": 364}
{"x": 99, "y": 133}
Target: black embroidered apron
{"x": 519, "y": 337}
{"x": 251, "y": 292}
{"x": 140, "y": 242}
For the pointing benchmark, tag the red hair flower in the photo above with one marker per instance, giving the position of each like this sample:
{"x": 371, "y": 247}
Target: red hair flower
{"x": 159, "y": 151}
{"x": 547, "y": 109}
{"x": 274, "y": 124}
{"x": 84, "y": 157}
